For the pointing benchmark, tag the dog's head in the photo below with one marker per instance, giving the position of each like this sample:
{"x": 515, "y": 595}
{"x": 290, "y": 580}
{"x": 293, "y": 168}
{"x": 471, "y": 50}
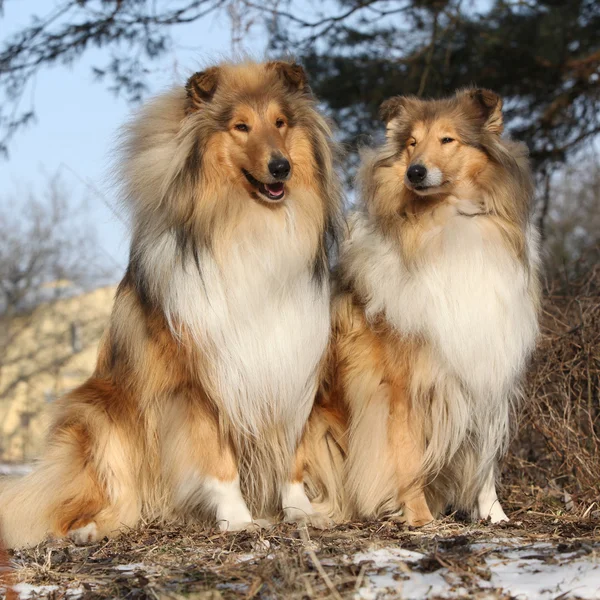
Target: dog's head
{"x": 252, "y": 110}
{"x": 440, "y": 144}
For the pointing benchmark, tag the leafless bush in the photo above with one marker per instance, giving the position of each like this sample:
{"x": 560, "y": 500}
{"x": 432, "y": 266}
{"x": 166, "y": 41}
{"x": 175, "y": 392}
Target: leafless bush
{"x": 558, "y": 444}
{"x": 44, "y": 241}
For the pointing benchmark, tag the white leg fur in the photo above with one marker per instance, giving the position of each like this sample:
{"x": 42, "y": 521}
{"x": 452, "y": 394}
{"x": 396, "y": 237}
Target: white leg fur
{"x": 488, "y": 505}
{"x": 232, "y": 511}
{"x": 87, "y": 534}
{"x": 298, "y": 509}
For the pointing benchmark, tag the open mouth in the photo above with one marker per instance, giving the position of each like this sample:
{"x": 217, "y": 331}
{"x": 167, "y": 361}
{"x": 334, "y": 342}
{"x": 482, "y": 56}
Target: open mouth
{"x": 273, "y": 192}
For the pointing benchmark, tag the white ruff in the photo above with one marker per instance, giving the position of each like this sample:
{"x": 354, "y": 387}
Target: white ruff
{"x": 467, "y": 296}
{"x": 260, "y": 319}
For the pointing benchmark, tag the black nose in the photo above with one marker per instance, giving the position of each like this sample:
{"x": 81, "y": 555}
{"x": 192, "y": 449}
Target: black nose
{"x": 416, "y": 173}
{"x": 279, "y": 168}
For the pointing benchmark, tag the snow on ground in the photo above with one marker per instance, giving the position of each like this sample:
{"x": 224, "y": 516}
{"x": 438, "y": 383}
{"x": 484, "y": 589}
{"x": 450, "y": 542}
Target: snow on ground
{"x": 26, "y": 591}
{"x": 539, "y": 557}
{"x": 523, "y": 571}
{"x": 528, "y": 571}
{"x": 131, "y": 567}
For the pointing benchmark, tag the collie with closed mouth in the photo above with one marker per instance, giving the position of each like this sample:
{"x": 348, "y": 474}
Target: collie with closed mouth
{"x": 207, "y": 373}
{"x": 435, "y": 318}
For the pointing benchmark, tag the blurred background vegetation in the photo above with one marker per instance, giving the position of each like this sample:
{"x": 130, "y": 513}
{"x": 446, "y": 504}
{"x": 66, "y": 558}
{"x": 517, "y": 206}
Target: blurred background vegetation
{"x": 542, "y": 56}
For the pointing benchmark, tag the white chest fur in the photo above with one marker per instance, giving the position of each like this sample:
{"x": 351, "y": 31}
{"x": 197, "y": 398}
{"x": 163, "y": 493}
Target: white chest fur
{"x": 261, "y": 320}
{"x": 465, "y": 294}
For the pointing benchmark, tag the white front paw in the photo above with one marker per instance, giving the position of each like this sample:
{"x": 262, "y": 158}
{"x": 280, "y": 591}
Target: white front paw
{"x": 88, "y": 534}
{"x": 298, "y": 509}
{"x": 488, "y": 505}
{"x": 494, "y": 513}
{"x": 497, "y": 514}
{"x": 314, "y": 519}
{"x": 227, "y": 525}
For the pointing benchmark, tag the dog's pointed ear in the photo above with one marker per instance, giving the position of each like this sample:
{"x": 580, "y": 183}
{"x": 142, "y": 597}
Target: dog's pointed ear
{"x": 391, "y": 112}
{"x": 488, "y": 106}
{"x": 392, "y": 108}
{"x": 200, "y": 88}
{"x": 292, "y": 74}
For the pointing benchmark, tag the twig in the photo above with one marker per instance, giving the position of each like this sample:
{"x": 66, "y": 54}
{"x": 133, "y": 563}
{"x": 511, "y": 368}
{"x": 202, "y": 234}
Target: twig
{"x": 317, "y": 564}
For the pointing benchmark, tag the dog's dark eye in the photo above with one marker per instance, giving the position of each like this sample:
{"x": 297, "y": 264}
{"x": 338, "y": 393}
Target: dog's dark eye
{"x": 413, "y": 142}
{"x": 241, "y": 127}
{"x": 447, "y": 140}
{"x": 279, "y": 123}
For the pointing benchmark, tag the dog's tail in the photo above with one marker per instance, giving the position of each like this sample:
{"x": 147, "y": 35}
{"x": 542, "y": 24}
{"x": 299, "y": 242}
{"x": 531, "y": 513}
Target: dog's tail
{"x": 29, "y": 504}
{"x": 325, "y": 456}
{"x": 7, "y": 578}
{"x": 61, "y": 491}
{"x": 25, "y": 506}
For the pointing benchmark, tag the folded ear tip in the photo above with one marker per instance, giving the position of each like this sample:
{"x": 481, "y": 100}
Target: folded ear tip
{"x": 485, "y": 96}
{"x": 490, "y": 98}
{"x": 390, "y": 108}
{"x": 294, "y": 73}
{"x": 201, "y": 86}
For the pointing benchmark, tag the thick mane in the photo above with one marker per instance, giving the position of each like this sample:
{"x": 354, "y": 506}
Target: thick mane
{"x": 168, "y": 185}
{"x": 505, "y": 186}
{"x": 160, "y": 149}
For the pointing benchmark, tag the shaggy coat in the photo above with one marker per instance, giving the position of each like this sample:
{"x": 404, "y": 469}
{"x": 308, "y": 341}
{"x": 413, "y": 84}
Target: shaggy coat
{"x": 208, "y": 371}
{"x": 435, "y": 319}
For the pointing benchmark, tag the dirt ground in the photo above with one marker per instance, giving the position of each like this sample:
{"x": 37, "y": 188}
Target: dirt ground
{"x": 536, "y": 555}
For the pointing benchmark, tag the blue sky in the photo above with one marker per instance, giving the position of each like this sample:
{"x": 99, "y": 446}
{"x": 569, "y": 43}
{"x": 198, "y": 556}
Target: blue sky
{"x": 78, "y": 120}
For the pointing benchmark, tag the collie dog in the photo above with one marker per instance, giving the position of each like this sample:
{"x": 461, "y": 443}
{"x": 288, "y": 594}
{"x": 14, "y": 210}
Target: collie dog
{"x": 436, "y": 316}
{"x": 207, "y": 374}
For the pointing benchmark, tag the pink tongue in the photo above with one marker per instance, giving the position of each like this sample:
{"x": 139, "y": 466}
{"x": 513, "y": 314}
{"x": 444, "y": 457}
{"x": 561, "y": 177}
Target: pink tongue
{"x": 275, "y": 189}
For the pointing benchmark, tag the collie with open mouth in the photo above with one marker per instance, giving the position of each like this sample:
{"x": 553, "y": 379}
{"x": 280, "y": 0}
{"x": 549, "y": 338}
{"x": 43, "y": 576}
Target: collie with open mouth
{"x": 208, "y": 371}
{"x": 436, "y": 317}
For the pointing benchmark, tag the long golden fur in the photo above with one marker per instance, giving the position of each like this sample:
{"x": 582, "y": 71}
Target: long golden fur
{"x": 207, "y": 373}
{"x": 436, "y": 315}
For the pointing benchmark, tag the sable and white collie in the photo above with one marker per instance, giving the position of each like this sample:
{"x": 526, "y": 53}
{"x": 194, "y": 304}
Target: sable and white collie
{"x": 436, "y": 316}
{"x": 207, "y": 374}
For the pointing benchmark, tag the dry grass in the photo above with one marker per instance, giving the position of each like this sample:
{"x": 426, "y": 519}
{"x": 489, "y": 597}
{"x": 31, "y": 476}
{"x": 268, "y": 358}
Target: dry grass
{"x": 285, "y": 562}
{"x": 555, "y": 458}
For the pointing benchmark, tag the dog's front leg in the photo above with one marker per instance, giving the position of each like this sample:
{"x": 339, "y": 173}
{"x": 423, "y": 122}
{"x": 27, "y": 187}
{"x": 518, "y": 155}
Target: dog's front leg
{"x": 232, "y": 513}
{"x": 406, "y": 446}
{"x": 488, "y": 505}
{"x": 200, "y": 464}
{"x": 294, "y": 501}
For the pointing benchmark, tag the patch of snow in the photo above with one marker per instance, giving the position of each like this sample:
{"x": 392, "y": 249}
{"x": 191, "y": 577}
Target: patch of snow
{"x": 522, "y": 571}
{"x": 25, "y": 591}
{"x": 245, "y": 557}
{"x": 384, "y": 557}
{"x": 417, "y": 585}
{"x": 241, "y": 588}
{"x": 533, "y": 578}
{"x": 131, "y": 567}
{"x": 396, "y": 579}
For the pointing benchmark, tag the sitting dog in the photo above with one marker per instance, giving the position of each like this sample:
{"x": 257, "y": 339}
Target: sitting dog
{"x": 435, "y": 319}
{"x": 207, "y": 374}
